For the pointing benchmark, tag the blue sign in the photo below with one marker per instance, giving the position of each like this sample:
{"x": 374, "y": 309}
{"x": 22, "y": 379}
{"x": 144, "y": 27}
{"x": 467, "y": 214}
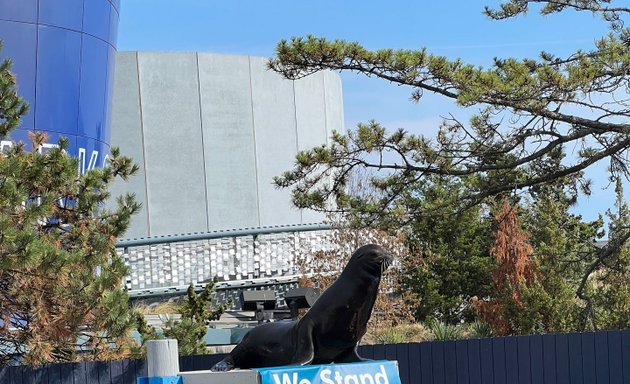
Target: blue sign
{"x": 159, "y": 380}
{"x": 372, "y": 372}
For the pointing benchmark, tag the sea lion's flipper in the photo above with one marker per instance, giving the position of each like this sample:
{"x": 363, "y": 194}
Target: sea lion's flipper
{"x": 230, "y": 361}
{"x": 350, "y": 356}
{"x": 224, "y": 365}
{"x": 304, "y": 350}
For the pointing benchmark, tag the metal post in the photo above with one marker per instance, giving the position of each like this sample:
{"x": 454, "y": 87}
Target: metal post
{"x": 162, "y": 358}
{"x": 293, "y": 306}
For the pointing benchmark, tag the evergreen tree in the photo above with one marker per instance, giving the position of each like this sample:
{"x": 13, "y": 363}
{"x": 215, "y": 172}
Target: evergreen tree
{"x": 530, "y": 113}
{"x": 12, "y": 106}
{"x": 450, "y": 260}
{"x": 61, "y": 288}
{"x": 507, "y": 311}
{"x": 610, "y": 284}
{"x": 197, "y": 312}
{"x": 528, "y": 110}
{"x": 563, "y": 243}
{"x": 575, "y": 286}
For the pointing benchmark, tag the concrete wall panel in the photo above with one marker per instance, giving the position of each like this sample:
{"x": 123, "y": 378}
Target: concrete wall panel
{"x": 310, "y": 114}
{"x": 228, "y": 136}
{"x": 215, "y": 130}
{"x": 128, "y": 136}
{"x": 334, "y": 103}
{"x": 173, "y": 143}
{"x": 310, "y": 110}
{"x": 276, "y": 141}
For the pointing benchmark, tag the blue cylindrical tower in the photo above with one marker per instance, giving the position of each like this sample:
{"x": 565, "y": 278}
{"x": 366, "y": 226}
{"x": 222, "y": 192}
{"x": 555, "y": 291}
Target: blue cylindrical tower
{"x": 64, "y": 53}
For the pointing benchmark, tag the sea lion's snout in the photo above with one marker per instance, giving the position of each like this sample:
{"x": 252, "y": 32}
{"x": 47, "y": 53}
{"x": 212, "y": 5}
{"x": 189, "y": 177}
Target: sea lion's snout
{"x": 374, "y": 257}
{"x": 386, "y": 261}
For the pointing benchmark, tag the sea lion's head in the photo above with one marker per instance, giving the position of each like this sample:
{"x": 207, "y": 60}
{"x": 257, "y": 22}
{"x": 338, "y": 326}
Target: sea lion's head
{"x": 371, "y": 258}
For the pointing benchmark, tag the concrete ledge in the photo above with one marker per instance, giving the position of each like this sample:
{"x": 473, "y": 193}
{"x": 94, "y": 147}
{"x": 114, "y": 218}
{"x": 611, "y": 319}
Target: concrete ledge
{"x": 240, "y": 376}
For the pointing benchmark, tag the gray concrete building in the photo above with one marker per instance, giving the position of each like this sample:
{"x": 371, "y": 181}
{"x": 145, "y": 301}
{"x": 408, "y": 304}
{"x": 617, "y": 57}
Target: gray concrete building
{"x": 209, "y": 132}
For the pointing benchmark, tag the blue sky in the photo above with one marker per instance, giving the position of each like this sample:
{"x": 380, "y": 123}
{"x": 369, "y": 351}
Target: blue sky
{"x": 454, "y": 28}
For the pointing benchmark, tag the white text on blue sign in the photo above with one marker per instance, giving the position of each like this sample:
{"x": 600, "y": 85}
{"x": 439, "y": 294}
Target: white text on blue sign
{"x": 375, "y": 372}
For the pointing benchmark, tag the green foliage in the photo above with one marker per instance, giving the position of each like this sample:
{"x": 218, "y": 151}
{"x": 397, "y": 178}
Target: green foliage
{"x": 603, "y": 8}
{"x": 480, "y": 329}
{"x": 60, "y": 277}
{"x": 189, "y": 334}
{"x": 197, "y": 311}
{"x": 562, "y": 243}
{"x": 554, "y": 102}
{"x": 402, "y": 333}
{"x": 146, "y": 333}
{"x": 199, "y": 307}
{"x": 391, "y": 336}
{"x": 540, "y": 123}
{"x": 451, "y": 261}
{"x": 12, "y": 106}
{"x": 609, "y": 290}
{"x": 576, "y": 286}
{"x": 611, "y": 293}
{"x": 443, "y": 331}
{"x": 536, "y": 314}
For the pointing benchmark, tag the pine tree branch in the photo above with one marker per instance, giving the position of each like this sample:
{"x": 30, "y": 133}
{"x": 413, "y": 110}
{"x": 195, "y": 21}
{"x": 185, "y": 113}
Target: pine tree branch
{"x": 601, "y": 257}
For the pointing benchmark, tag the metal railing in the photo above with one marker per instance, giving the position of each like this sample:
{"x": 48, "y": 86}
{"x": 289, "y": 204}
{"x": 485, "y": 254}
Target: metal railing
{"x": 239, "y": 258}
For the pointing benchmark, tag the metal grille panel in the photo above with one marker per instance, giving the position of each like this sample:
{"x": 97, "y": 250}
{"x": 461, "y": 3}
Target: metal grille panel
{"x": 229, "y": 258}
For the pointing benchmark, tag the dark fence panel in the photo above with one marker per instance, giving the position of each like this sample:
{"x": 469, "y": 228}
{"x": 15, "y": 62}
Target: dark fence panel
{"x": 498, "y": 361}
{"x": 474, "y": 362}
{"x": 437, "y": 363}
{"x": 511, "y": 360}
{"x": 461, "y": 360}
{"x": 625, "y": 351}
{"x": 575, "y": 358}
{"x": 615, "y": 358}
{"x": 588, "y": 358}
{"x": 79, "y": 373}
{"x": 536, "y": 361}
{"x": 549, "y": 360}
{"x": 561, "y": 357}
{"x": 404, "y": 367}
{"x": 379, "y": 352}
{"x": 414, "y": 363}
{"x": 367, "y": 351}
{"x": 450, "y": 363}
{"x": 426, "y": 368}
{"x": 15, "y": 375}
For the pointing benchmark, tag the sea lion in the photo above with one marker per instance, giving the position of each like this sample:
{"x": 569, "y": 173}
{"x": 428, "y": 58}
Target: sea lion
{"x": 329, "y": 332}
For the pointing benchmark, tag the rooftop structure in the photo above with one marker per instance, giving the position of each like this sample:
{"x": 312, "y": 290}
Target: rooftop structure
{"x": 210, "y": 132}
